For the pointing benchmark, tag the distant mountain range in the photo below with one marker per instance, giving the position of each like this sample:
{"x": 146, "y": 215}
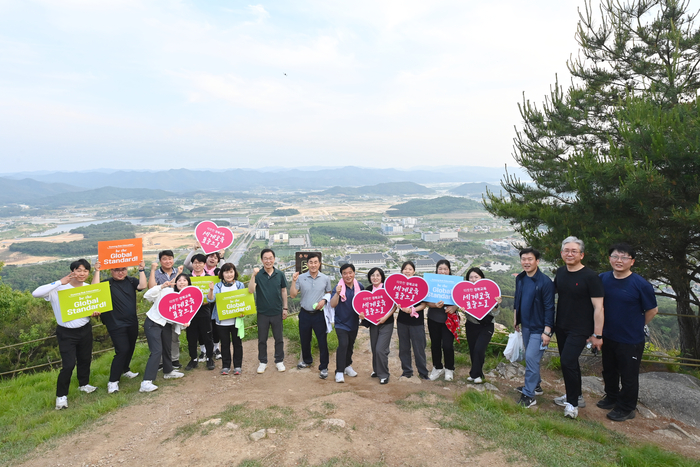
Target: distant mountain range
{"x": 382, "y": 189}
{"x": 26, "y": 190}
{"x": 475, "y": 189}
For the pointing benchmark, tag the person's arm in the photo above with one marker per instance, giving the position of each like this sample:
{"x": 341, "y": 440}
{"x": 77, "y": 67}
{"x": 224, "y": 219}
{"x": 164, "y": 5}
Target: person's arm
{"x": 251, "y": 282}
{"x": 44, "y": 290}
{"x": 548, "y": 302}
{"x": 449, "y": 309}
{"x": 293, "y": 291}
{"x": 649, "y": 315}
{"x": 212, "y": 293}
{"x": 598, "y": 319}
{"x": 285, "y": 309}
{"x": 143, "y": 280}
{"x": 335, "y": 299}
{"x": 152, "y": 294}
{"x": 152, "y": 277}
{"x": 96, "y": 274}
{"x": 188, "y": 260}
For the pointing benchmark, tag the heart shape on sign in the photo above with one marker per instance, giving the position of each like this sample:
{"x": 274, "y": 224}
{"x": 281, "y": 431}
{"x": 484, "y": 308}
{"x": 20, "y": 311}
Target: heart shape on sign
{"x": 478, "y": 298}
{"x": 406, "y": 291}
{"x": 373, "y": 305}
{"x": 212, "y": 237}
{"x": 180, "y": 307}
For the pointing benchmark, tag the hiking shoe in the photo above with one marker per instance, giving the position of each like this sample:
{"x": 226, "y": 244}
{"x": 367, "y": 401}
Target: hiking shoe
{"x": 225, "y": 371}
{"x": 538, "y": 391}
{"x": 61, "y": 402}
{"x": 202, "y": 357}
{"x": 88, "y": 388}
{"x": 339, "y": 378}
{"x": 526, "y": 401}
{"x": 176, "y": 364}
{"x": 112, "y": 387}
{"x": 236, "y": 371}
{"x": 435, "y": 373}
{"x": 384, "y": 380}
{"x": 192, "y": 365}
{"x": 323, "y": 374}
{"x": 147, "y": 386}
{"x": 570, "y": 411}
{"x": 173, "y": 375}
{"x": 450, "y": 375}
{"x": 350, "y": 372}
{"x": 280, "y": 366}
{"x": 302, "y": 365}
{"x": 217, "y": 354}
{"x": 210, "y": 364}
{"x": 606, "y": 403}
{"x": 130, "y": 374}
{"x": 617, "y": 415}
{"x": 561, "y": 401}
{"x": 478, "y": 380}
{"x": 261, "y": 368}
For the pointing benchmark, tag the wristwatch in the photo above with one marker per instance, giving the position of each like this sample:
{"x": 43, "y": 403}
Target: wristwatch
{"x": 548, "y": 334}
{"x": 597, "y": 336}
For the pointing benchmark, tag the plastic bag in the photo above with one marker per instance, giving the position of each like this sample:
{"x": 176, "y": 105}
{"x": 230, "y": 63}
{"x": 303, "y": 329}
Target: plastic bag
{"x": 515, "y": 350}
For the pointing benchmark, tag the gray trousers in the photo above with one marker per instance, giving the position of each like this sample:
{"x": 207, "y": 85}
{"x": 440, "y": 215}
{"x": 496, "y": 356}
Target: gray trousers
{"x": 175, "y": 347}
{"x": 264, "y": 324}
{"x": 158, "y": 338}
{"x": 412, "y": 336}
{"x": 380, "y": 340}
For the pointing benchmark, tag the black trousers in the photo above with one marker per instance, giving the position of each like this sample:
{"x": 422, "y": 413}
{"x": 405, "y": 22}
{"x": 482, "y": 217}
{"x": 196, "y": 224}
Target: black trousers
{"x": 228, "y": 335}
{"x": 200, "y": 328}
{"x": 315, "y": 322}
{"x": 621, "y": 365}
{"x": 441, "y": 341}
{"x": 478, "y": 337}
{"x": 124, "y": 341}
{"x": 570, "y": 346}
{"x": 75, "y": 346}
{"x": 346, "y": 343}
{"x": 264, "y": 324}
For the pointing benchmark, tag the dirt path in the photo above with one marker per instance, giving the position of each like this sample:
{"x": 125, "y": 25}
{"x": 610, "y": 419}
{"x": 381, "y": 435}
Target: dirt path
{"x": 375, "y": 428}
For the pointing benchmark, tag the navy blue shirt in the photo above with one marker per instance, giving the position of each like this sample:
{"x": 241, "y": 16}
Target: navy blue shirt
{"x": 345, "y": 316}
{"x": 626, "y": 301}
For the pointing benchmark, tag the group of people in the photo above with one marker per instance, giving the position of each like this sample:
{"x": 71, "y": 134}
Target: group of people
{"x": 608, "y": 310}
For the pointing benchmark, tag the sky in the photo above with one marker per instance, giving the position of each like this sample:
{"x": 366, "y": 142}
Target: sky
{"x": 131, "y": 84}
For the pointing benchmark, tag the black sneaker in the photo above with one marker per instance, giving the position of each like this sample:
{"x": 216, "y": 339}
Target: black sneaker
{"x": 160, "y": 367}
{"x": 202, "y": 358}
{"x": 425, "y": 377}
{"x": 538, "y": 390}
{"x": 526, "y": 401}
{"x": 176, "y": 364}
{"x": 373, "y": 375}
{"x": 384, "y": 380}
{"x": 217, "y": 354}
{"x": 606, "y": 403}
{"x": 617, "y": 415}
{"x": 192, "y": 365}
{"x": 210, "y": 364}
{"x": 302, "y": 365}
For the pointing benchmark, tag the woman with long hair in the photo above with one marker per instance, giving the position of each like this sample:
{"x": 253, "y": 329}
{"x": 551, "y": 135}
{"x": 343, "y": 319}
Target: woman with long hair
{"x": 410, "y": 327}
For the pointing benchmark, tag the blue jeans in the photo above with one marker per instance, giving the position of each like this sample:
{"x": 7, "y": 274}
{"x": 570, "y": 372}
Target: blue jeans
{"x": 533, "y": 356}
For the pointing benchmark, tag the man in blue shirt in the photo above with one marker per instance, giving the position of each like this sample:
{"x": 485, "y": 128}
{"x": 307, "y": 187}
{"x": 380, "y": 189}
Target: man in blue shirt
{"x": 534, "y": 313}
{"x": 347, "y": 321}
{"x": 629, "y": 305}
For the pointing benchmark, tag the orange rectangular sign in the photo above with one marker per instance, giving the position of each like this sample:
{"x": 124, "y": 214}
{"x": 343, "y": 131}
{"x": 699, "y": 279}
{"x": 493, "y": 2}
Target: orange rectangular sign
{"x": 114, "y": 254}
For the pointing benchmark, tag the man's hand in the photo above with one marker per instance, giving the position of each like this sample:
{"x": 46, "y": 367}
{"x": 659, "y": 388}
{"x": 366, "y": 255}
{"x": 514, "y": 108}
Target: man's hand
{"x": 295, "y": 276}
{"x": 256, "y": 271}
{"x": 154, "y": 266}
{"x": 67, "y": 278}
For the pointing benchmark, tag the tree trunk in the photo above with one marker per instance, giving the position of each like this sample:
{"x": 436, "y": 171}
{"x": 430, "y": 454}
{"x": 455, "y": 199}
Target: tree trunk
{"x": 688, "y": 322}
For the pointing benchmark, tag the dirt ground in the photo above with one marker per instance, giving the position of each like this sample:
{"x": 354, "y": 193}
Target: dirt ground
{"x": 375, "y": 428}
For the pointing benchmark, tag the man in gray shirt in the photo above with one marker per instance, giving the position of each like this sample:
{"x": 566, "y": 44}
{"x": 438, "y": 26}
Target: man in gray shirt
{"x": 313, "y": 286}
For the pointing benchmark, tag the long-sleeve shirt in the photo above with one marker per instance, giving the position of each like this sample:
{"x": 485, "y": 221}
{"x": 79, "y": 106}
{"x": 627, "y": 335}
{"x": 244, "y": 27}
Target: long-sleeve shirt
{"x": 49, "y": 292}
{"x": 154, "y": 295}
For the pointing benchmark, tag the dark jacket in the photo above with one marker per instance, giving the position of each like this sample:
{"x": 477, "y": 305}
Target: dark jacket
{"x": 539, "y": 312}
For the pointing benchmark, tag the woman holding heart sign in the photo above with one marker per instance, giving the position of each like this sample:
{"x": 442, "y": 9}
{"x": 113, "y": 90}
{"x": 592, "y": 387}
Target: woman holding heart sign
{"x": 380, "y": 334}
{"x": 410, "y": 329}
{"x": 441, "y": 338}
{"x": 479, "y": 333}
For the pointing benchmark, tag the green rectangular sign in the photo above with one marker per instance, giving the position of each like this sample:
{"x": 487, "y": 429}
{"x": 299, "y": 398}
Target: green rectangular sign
{"x": 202, "y": 283}
{"x": 80, "y": 302}
{"x": 235, "y": 304}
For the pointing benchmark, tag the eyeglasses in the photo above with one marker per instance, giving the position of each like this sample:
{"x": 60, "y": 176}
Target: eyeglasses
{"x": 621, "y": 258}
{"x": 571, "y": 252}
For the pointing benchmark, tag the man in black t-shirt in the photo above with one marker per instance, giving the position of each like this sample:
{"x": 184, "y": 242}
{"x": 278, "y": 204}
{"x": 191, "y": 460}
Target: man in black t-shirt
{"x": 122, "y": 322}
{"x": 579, "y": 319}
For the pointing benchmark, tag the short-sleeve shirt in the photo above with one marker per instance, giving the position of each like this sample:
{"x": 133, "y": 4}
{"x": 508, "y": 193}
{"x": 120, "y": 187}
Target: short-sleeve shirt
{"x": 312, "y": 290}
{"x": 123, "y": 312}
{"x": 574, "y": 306}
{"x": 345, "y": 316}
{"x": 162, "y": 277}
{"x": 626, "y": 302}
{"x": 268, "y": 292}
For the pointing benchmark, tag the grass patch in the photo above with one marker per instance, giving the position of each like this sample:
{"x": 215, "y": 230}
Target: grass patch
{"x": 545, "y": 438}
{"x": 253, "y": 419}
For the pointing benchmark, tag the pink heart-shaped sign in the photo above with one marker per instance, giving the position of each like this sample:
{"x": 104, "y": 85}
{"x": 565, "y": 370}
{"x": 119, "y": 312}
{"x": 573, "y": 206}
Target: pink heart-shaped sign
{"x": 212, "y": 237}
{"x": 478, "y": 298}
{"x": 406, "y": 291}
{"x": 180, "y": 307}
{"x": 373, "y": 305}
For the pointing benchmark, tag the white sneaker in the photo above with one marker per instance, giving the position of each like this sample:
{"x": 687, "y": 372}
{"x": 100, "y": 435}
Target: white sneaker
{"x": 449, "y": 375}
{"x": 570, "y": 411}
{"x": 147, "y": 386}
{"x": 478, "y": 380}
{"x": 87, "y": 388}
{"x": 350, "y": 372}
{"x": 435, "y": 373}
{"x": 280, "y": 366}
{"x": 61, "y": 402}
{"x": 173, "y": 375}
{"x": 112, "y": 387}
{"x": 130, "y": 374}
{"x": 470, "y": 379}
{"x": 339, "y": 378}
{"x": 561, "y": 401}
{"x": 262, "y": 367}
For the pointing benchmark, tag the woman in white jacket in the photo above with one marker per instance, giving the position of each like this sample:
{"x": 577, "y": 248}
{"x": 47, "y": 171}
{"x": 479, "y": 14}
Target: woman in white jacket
{"x": 159, "y": 333}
